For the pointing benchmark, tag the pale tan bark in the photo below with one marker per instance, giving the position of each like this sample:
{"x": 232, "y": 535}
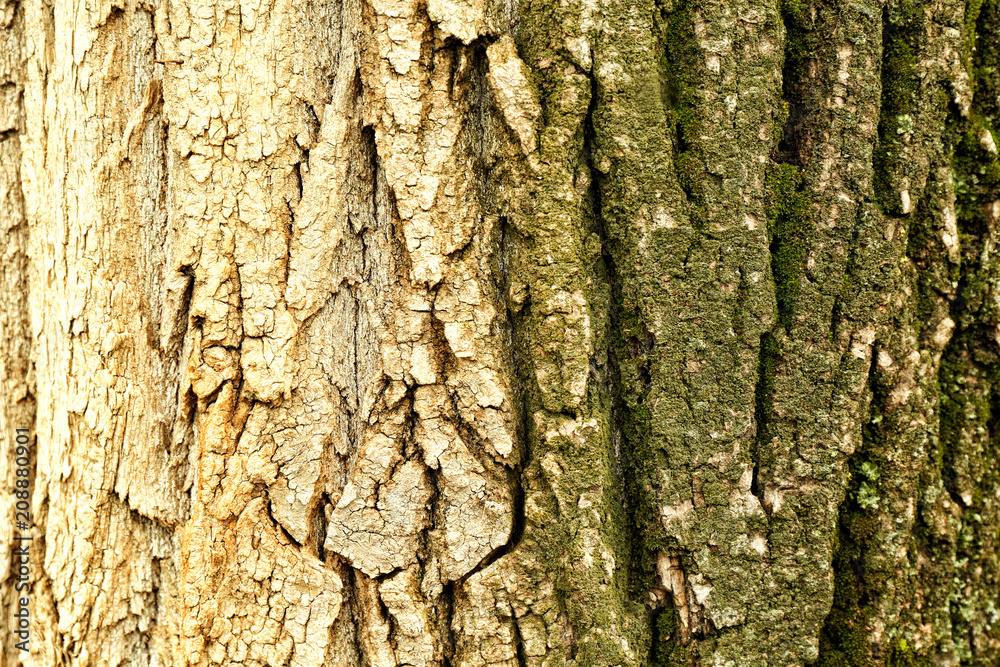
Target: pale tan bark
{"x": 239, "y": 290}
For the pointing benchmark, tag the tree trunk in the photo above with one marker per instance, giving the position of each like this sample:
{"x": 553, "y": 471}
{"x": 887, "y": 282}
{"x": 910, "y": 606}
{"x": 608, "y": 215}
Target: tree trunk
{"x": 474, "y": 333}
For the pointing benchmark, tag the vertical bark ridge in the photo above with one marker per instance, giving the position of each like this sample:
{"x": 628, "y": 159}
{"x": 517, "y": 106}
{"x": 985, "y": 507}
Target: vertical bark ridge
{"x": 824, "y": 231}
{"x": 92, "y": 307}
{"x": 686, "y": 220}
{"x": 571, "y": 538}
{"x": 964, "y": 473}
{"x": 889, "y": 608}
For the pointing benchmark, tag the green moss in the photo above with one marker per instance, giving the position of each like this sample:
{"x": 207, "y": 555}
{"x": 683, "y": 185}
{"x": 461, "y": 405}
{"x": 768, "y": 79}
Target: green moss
{"x": 972, "y": 10}
{"x": 899, "y": 91}
{"x": 794, "y": 9}
{"x": 679, "y": 64}
{"x": 667, "y": 648}
{"x": 632, "y": 356}
{"x": 976, "y": 170}
{"x": 789, "y": 223}
{"x": 859, "y": 579}
{"x": 969, "y": 419}
{"x": 845, "y": 639}
{"x": 901, "y": 654}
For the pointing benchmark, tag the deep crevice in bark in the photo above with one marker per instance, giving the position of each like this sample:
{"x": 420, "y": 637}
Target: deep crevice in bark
{"x": 522, "y": 658}
{"x": 350, "y": 614}
{"x": 320, "y": 523}
{"x": 448, "y": 600}
{"x": 901, "y": 30}
{"x": 787, "y": 202}
{"x": 678, "y": 63}
{"x": 763, "y": 405}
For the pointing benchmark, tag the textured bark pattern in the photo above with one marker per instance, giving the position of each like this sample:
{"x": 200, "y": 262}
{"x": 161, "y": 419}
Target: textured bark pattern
{"x": 17, "y": 408}
{"x": 473, "y": 333}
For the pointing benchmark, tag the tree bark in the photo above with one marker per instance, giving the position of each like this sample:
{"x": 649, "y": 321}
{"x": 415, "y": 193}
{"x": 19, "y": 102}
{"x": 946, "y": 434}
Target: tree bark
{"x": 474, "y": 333}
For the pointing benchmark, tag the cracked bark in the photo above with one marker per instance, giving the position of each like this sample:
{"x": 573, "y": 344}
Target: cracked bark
{"x": 474, "y": 333}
